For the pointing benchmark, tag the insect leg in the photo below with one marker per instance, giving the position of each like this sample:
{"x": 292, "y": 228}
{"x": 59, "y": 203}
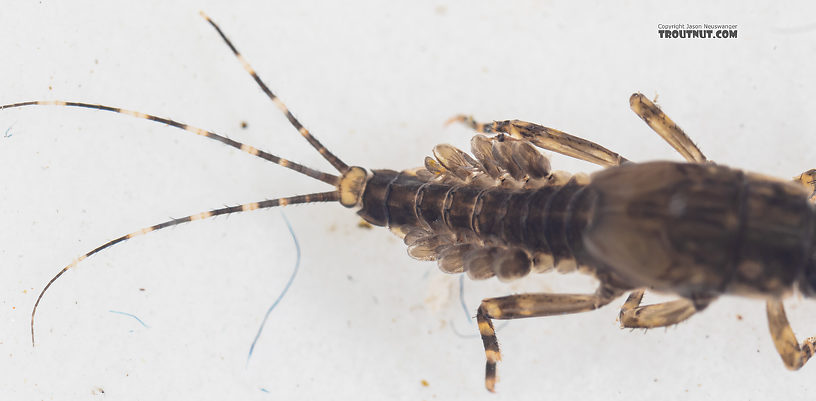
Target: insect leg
{"x": 808, "y": 180}
{"x": 530, "y": 305}
{"x": 632, "y": 315}
{"x": 666, "y": 128}
{"x": 793, "y": 354}
{"x": 547, "y": 138}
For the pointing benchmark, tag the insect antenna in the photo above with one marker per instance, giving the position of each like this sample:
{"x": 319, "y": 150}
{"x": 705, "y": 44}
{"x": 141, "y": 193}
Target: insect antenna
{"x": 329, "y": 156}
{"x": 348, "y": 187}
{"x": 299, "y": 199}
{"x": 318, "y": 175}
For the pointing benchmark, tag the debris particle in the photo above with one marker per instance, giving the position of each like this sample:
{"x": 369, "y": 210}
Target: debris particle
{"x": 131, "y": 315}
{"x": 283, "y": 292}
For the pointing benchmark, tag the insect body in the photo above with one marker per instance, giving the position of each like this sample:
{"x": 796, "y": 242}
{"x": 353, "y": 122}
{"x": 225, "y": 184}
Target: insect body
{"x": 695, "y": 230}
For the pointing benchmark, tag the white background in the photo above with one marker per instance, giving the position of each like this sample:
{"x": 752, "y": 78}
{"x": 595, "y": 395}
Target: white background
{"x": 374, "y": 82}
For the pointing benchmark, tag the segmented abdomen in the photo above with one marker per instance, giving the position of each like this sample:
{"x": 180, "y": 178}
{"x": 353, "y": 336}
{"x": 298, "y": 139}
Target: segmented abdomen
{"x": 485, "y": 231}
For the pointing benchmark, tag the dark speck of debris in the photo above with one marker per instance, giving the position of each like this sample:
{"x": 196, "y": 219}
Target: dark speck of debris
{"x": 739, "y": 317}
{"x": 141, "y": 289}
{"x": 97, "y": 391}
{"x": 349, "y": 278}
{"x": 244, "y": 124}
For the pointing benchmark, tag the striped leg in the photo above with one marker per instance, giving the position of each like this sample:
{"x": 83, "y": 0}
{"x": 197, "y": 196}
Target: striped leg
{"x": 793, "y": 354}
{"x": 530, "y": 305}
{"x": 579, "y": 148}
{"x": 666, "y": 128}
{"x": 632, "y": 315}
{"x": 310, "y": 198}
{"x": 547, "y": 138}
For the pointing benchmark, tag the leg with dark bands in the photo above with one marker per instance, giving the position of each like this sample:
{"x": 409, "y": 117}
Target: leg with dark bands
{"x": 793, "y": 354}
{"x": 666, "y": 128}
{"x": 632, "y": 315}
{"x": 548, "y": 138}
{"x": 529, "y": 305}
